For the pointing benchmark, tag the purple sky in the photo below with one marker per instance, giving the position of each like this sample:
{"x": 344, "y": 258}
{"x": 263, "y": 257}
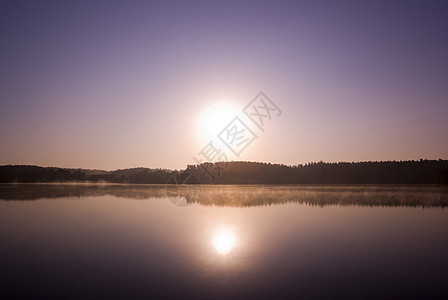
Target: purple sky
{"x": 115, "y": 84}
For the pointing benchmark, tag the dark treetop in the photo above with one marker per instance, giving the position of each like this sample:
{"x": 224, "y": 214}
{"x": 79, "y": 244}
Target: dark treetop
{"x": 388, "y": 172}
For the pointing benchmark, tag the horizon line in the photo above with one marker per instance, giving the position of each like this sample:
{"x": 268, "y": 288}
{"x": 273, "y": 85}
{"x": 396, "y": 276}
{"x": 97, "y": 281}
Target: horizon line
{"x": 233, "y": 161}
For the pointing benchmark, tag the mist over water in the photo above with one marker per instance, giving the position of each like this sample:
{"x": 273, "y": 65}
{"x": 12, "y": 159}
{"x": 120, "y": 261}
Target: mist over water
{"x": 243, "y": 195}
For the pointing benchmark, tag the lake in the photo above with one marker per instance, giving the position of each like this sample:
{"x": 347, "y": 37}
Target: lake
{"x": 90, "y": 241}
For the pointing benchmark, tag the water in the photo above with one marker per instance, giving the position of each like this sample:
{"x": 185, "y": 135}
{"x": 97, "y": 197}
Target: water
{"x": 309, "y": 242}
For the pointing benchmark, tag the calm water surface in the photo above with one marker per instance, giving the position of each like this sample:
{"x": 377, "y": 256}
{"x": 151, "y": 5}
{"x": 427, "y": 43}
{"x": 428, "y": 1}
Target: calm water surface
{"x": 308, "y": 242}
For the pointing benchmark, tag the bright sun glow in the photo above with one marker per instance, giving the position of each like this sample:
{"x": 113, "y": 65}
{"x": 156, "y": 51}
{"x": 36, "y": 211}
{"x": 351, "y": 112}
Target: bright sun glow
{"x": 215, "y": 118}
{"x": 224, "y": 242}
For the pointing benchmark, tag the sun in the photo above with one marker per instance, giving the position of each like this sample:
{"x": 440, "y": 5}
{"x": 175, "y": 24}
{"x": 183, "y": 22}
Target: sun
{"x": 216, "y": 117}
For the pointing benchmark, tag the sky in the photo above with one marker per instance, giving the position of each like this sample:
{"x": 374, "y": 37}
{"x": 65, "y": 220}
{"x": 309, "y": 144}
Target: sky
{"x": 120, "y": 84}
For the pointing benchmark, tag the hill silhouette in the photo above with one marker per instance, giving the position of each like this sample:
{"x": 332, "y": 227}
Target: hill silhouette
{"x": 384, "y": 172}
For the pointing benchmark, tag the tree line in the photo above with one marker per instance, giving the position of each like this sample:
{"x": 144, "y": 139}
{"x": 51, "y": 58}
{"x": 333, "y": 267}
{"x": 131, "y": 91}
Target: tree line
{"x": 240, "y": 172}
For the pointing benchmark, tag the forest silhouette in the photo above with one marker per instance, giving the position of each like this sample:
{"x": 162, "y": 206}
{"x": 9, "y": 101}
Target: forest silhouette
{"x": 386, "y": 172}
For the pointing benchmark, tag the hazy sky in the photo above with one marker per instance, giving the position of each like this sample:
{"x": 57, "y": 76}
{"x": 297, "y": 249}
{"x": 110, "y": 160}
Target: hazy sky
{"x": 117, "y": 84}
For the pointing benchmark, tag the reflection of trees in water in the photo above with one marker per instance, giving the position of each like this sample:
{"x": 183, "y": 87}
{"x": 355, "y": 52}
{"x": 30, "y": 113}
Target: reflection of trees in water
{"x": 182, "y": 189}
{"x": 246, "y": 195}
{"x": 42, "y": 191}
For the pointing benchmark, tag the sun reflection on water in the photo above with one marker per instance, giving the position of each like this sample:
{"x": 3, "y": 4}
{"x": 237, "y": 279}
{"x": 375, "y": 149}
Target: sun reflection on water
{"x": 224, "y": 242}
